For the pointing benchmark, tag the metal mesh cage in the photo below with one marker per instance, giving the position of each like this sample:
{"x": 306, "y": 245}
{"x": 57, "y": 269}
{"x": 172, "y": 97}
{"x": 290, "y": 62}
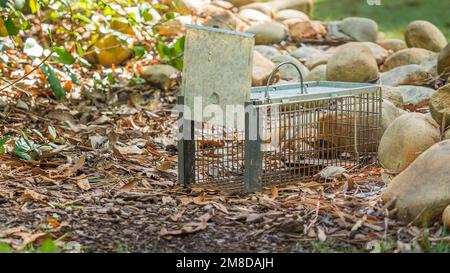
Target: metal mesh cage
{"x": 296, "y": 140}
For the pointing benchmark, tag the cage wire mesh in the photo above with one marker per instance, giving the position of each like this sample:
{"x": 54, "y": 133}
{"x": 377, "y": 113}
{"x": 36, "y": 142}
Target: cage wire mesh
{"x": 297, "y": 140}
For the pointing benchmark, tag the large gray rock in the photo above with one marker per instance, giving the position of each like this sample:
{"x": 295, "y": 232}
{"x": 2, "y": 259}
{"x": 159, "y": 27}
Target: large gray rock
{"x": 422, "y": 191}
{"x": 288, "y": 72}
{"x": 378, "y": 52}
{"x": 269, "y": 33}
{"x": 415, "y": 96}
{"x": 254, "y": 16}
{"x": 352, "y": 62}
{"x": 161, "y": 75}
{"x": 305, "y": 6}
{"x": 440, "y": 105}
{"x": 360, "y": 29}
{"x": 310, "y": 56}
{"x": 405, "y": 57}
{"x": 261, "y": 7}
{"x": 240, "y": 3}
{"x": 286, "y": 14}
{"x": 267, "y": 51}
{"x": 221, "y": 18}
{"x": 393, "y": 44}
{"x": 300, "y": 29}
{"x": 393, "y": 95}
{"x": 304, "y": 52}
{"x": 430, "y": 64}
{"x": 446, "y": 134}
{"x": 262, "y": 67}
{"x": 406, "y": 138}
{"x": 334, "y": 31}
{"x": 412, "y": 74}
{"x": 388, "y": 114}
{"x": 443, "y": 64}
{"x": 424, "y": 34}
{"x": 319, "y": 73}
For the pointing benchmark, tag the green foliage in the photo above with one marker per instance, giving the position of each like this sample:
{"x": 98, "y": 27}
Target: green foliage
{"x": 2, "y": 143}
{"x": 53, "y": 80}
{"x": 47, "y": 246}
{"x": 26, "y": 148}
{"x": 5, "y": 248}
{"x": 133, "y": 18}
{"x": 172, "y": 54}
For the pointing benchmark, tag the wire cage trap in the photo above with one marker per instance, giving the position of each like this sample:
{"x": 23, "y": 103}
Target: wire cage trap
{"x": 275, "y": 134}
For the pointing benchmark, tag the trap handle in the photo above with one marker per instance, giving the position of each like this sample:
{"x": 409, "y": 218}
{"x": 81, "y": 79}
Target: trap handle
{"x": 302, "y": 86}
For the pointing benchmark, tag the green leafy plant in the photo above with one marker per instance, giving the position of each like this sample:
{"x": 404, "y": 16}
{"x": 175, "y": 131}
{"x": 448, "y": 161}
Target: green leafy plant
{"x": 139, "y": 19}
{"x": 2, "y": 143}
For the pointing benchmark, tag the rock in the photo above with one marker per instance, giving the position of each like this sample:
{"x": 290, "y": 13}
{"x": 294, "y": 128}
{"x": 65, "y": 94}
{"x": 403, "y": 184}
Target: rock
{"x": 334, "y": 32}
{"x": 378, "y": 52}
{"x": 422, "y": 191}
{"x": 240, "y": 3}
{"x": 443, "y": 64}
{"x": 22, "y": 105}
{"x": 221, "y": 18}
{"x": 447, "y": 134}
{"x": 286, "y": 14}
{"x": 406, "y": 138}
{"x": 300, "y": 29}
{"x": 430, "y": 65}
{"x": 267, "y": 51}
{"x": 262, "y": 67}
{"x": 424, "y": 34}
{"x": 393, "y": 44}
{"x": 305, "y": 6}
{"x": 440, "y": 105}
{"x": 446, "y": 217}
{"x": 405, "y": 57}
{"x": 380, "y": 36}
{"x": 313, "y": 61}
{"x": 184, "y": 7}
{"x": 288, "y": 72}
{"x": 170, "y": 28}
{"x": 352, "y": 62}
{"x": 223, "y": 4}
{"x": 108, "y": 51}
{"x": 269, "y": 33}
{"x": 412, "y": 74}
{"x": 261, "y": 7}
{"x": 254, "y": 16}
{"x": 332, "y": 172}
{"x": 3, "y": 103}
{"x": 393, "y": 95}
{"x": 304, "y": 51}
{"x": 360, "y": 29}
{"x": 415, "y": 96}
{"x": 161, "y": 75}
{"x": 121, "y": 24}
{"x": 319, "y": 73}
{"x": 388, "y": 114}
{"x": 311, "y": 56}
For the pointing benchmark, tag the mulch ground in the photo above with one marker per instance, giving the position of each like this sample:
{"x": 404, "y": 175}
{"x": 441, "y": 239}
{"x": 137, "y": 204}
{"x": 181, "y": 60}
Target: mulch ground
{"x": 108, "y": 184}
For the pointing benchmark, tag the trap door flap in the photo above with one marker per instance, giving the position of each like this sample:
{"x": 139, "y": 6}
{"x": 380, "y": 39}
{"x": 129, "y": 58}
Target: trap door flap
{"x": 217, "y": 72}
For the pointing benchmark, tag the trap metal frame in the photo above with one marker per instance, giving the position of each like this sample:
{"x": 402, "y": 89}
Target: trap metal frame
{"x": 301, "y": 127}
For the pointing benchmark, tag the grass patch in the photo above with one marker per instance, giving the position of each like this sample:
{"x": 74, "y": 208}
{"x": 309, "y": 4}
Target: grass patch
{"x": 392, "y": 16}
